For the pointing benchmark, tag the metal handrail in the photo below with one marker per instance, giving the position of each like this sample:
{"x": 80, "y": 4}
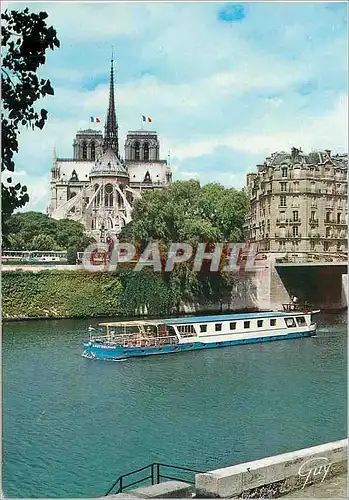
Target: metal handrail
{"x": 155, "y": 476}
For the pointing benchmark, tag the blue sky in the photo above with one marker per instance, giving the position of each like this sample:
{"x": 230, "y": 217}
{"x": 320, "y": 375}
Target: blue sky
{"x": 226, "y": 84}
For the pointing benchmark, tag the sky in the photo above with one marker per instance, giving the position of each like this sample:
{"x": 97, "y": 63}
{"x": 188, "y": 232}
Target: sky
{"x": 226, "y": 84}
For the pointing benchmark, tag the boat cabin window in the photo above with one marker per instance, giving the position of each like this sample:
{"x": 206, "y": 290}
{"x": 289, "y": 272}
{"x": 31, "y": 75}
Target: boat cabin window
{"x": 259, "y": 323}
{"x": 233, "y": 326}
{"x": 272, "y": 322}
{"x": 301, "y": 321}
{"x": 203, "y": 328}
{"x": 186, "y": 330}
{"x": 218, "y": 327}
{"x": 290, "y": 322}
{"x": 246, "y": 324}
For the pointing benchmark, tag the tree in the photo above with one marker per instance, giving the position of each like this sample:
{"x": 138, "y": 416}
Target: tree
{"x": 43, "y": 242}
{"x": 24, "y": 227}
{"x": 25, "y": 39}
{"x": 187, "y": 212}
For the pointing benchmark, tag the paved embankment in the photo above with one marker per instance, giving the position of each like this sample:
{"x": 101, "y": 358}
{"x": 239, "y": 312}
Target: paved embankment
{"x": 336, "y": 487}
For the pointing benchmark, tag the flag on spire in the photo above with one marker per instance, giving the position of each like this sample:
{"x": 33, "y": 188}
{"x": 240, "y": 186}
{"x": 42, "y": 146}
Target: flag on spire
{"x": 94, "y": 119}
{"x": 146, "y": 119}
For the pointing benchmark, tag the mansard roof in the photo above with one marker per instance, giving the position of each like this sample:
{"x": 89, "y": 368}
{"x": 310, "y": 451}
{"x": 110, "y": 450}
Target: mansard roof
{"x": 296, "y": 156}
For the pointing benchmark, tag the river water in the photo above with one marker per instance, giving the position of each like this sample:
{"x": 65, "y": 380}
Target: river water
{"x": 71, "y": 426}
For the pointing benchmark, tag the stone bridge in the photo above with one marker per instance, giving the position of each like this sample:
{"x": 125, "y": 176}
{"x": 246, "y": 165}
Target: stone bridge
{"x": 323, "y": 284}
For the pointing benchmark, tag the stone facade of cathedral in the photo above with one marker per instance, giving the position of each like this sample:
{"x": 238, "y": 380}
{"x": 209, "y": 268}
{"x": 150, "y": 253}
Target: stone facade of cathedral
{"x": 98, "y": 187}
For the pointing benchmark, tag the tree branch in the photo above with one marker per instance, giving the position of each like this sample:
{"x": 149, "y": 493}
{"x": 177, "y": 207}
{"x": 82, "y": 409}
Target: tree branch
{"x": 9, "y": 78}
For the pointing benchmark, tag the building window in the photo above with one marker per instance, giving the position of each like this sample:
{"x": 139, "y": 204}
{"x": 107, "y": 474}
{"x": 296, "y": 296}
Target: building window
{"x": 339, "y": 217}
{"x": 108, "y": 195}
{"x": 218, "y": 327}
{"x": 146, "y": 151}
{"x": 295, "y": 216}
{"x": 326, "y": 246}
{"x": 284, "y": 172}
{"x": 84, "y": 151}
{"x": 137, "y": 151}
{"x": 246, "y": 324}
{"x": 233, "y": 326}
{"x": 296, "y": 187}
{"x": 283, "y": 186}
{"x": 328, "y": 217}
{"x": 338, "y": 247}
{"x": 203, "y": 328}
{"x": 312, "y": 215}
{"x": 312, "y": 245}
{"x": 259, "y": 323}
{"x": 93, "y": 151}
{"x": 294, "y": 231}
{"x": 283, "y": 201}
{"x": 328, "y": 232}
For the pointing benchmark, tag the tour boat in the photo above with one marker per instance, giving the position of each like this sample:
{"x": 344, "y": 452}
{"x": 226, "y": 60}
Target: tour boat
{"x": 133, "y": 339}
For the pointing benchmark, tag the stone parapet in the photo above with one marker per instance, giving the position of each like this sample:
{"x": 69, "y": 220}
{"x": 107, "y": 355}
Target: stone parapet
{"x": 275, "y": 476}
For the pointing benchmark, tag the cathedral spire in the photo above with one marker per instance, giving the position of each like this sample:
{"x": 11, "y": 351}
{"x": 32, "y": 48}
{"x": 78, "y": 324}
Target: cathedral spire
{"x": 111, "y": 126}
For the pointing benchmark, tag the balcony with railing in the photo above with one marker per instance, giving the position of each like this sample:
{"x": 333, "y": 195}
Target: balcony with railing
{"x": 314, "y": 222}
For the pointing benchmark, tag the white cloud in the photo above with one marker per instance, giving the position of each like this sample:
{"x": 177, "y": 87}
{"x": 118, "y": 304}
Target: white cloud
{"x": 38, "y": 190}
{"x": 327, "y": 131}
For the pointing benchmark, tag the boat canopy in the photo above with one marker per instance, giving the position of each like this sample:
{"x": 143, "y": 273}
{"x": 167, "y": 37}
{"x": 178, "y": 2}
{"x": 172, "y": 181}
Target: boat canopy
{"x": 132, "y": 323}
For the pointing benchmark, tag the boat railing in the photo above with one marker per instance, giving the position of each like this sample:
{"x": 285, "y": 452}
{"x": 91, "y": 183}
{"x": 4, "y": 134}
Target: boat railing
{"x": 137, "y": 341}
{"x": 304, "y": 307}
{"x": 152, "y": 342}
{"x": 153, "y": 473}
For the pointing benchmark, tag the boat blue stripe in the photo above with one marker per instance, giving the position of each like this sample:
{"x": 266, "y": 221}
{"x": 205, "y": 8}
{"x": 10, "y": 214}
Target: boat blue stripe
{"x": 118, "y": 353}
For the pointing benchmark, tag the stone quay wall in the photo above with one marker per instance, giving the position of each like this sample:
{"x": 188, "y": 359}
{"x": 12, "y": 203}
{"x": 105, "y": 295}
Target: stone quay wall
{"x": 73, "y": 292}
{"x": 275, "y": 476}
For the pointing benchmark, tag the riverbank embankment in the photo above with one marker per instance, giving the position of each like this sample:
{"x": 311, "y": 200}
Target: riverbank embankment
{"x": 62, "y": 294}
{"x": 58, "y": 293}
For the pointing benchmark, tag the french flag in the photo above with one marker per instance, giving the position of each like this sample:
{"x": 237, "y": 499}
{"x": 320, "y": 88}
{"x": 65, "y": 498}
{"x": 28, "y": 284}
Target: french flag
{"x": 94, "y": 119}
{"x": 146, "y": 119}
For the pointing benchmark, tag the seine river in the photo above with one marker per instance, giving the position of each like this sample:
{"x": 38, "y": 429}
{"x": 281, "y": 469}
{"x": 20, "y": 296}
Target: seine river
{"x": 71, "y": 426}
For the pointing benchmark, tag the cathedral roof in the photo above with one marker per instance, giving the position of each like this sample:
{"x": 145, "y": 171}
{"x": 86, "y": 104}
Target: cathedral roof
{"x": 108, "y": 164}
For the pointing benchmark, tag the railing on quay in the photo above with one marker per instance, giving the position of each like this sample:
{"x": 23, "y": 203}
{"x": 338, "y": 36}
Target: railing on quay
{"x": 315, "y": 258}
{"x": 155, "y": 476}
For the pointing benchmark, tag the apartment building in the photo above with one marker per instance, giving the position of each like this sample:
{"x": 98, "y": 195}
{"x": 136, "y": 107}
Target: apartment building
{"x": 298, "y": 203}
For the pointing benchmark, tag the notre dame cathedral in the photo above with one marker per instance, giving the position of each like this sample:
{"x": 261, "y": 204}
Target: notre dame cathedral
{"x": 98, "y": 187}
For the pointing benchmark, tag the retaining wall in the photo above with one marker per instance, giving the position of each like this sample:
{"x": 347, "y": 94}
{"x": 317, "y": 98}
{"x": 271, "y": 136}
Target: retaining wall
{"x": 275, "y": 476}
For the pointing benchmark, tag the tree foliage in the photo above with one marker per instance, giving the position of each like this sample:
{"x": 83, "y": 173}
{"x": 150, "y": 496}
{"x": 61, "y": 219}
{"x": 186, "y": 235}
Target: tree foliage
{"x": 25, "y": 40}
{"x": 187, "y": 212}
{"x": 37, "y": 231}
{"x": 58, "y": 293}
